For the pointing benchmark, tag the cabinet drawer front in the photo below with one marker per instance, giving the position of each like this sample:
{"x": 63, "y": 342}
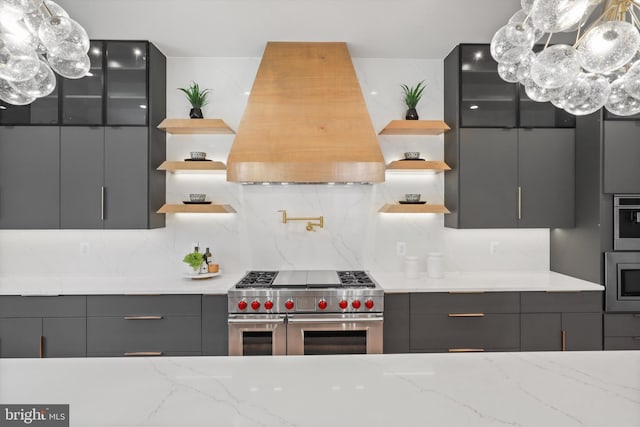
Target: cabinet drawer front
{"x": 489, "y": 302}
{"x": 54, "y": 306}
{"x": 621, "y": 325}
{"x": 561, "y": 302}
{"x": 117, "y": 335}
{"x": 20, "y": 337}
{"x": 138, "y": 305}
{"x": 622, "y": 343}
{"x": 441, "y": 331}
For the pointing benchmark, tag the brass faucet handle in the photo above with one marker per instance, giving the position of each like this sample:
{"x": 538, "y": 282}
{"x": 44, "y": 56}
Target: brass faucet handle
{"x": 310, "y": 227}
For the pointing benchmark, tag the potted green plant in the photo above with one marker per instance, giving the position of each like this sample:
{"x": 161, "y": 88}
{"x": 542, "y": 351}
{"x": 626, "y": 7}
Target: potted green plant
{"x": 194, "y": 259}
{"x": 197, "y": 98}
{"x": 412, "y": 96}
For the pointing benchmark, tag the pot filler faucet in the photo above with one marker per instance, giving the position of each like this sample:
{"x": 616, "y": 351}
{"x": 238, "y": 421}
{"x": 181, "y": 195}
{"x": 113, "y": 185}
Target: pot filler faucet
{"x": 310, "y": 223}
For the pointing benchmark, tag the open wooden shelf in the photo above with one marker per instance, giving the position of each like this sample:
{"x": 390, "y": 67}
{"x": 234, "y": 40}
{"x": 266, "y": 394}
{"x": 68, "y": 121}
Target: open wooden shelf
{"x": 195, "y": 126}
{"x": 415, "y": 127}
{"x": 426, "y": 208}
{"x": 212, "y": 208}
{"x": 417, "y": 165}
{"x": 192, "y": 167}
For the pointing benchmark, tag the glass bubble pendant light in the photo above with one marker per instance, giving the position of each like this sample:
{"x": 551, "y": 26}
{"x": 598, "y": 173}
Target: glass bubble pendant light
{"x": 37, "y": 37}
{"x": 601, "y": 68}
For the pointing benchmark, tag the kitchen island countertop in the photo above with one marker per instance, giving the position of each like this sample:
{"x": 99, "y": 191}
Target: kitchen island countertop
{"x": 474, "y": 389}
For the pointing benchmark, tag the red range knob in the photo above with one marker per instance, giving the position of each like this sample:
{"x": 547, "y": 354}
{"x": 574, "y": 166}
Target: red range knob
{"x": 343, "y": 304}
{"x": 355, "y": 304}
{"x": 242, "y": 305}
{"x": 289, "y": 304}
{"x": 255, "y": 304}
{"x": 369, "y": 304}
{"x": 268, "y": 304}
{"x": 322, "y": 305}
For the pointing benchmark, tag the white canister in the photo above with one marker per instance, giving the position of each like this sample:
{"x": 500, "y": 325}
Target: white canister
{"x": 412, "y": 267}
{"x": 435, "y": 265}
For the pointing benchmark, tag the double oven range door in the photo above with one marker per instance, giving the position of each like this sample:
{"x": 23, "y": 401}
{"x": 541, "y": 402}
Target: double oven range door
{"x": 305, "y": 334}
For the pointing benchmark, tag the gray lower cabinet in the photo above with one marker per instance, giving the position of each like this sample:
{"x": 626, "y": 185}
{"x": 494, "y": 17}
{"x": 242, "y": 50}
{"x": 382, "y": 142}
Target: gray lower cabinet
{"x": 105, "y": 175}
{"x": 622, "y": 331}
{"x": 508, "y": 178}
{"x": 29, "y": 170}
{"x": 621, "y": 152}
{"x": 154, "y": 325}
{"x": 561, "y": 321}
{"x": 453, "y": 322}
{"x": 43, "y": 326}
{"x": 215, "y": 333}
{"x": 396, "y": 332}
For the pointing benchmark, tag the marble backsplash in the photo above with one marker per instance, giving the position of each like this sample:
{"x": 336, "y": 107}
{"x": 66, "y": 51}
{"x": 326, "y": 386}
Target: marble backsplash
{"x": 355, "y": 234}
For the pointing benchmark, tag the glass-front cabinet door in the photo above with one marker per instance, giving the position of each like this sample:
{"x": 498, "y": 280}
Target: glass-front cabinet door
{"x": 486, "y": 99}
{"x": 126, "y": 84}
{"x": 542, "y": 114}
{"x": 42, "y": 111}
{"x": 82, "y": 98}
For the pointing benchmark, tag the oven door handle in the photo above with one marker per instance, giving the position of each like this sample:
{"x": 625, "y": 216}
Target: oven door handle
{"x": 335, "y": 320}
{"x": 245, "y": 321}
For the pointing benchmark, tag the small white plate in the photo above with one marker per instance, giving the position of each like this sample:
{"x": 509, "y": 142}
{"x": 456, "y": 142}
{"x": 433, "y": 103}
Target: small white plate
{"x": 201, "y": 276}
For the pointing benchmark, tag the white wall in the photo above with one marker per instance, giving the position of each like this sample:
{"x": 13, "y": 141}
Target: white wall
{"x": 355, "y": 235}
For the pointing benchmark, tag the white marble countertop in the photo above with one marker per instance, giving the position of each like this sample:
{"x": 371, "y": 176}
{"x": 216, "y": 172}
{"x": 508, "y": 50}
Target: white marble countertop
{"x": 117, "y": 285}
{"x": 390, "y": 282}
{"x": 485, "y": 281}
{"x": 491, "y": 389}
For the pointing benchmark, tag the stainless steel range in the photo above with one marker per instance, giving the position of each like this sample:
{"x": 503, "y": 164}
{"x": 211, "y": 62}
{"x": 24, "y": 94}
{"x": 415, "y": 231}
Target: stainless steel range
{"x": 305, "y": 312}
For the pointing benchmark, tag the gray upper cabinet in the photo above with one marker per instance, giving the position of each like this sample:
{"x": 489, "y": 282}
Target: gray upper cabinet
{"x": 621, "y": 156}
{"x": 105, "y": 179}
{"x": 29, "y": 171}
{"x": 546, "y": 177}
{"x": 508, "y": 178}
{"x": 81, "y": 177}
{"x": 127, "y": 179}
{"x": 488, "y": 173}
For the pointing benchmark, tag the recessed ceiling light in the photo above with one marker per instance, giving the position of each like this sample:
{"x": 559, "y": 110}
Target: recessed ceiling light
{"x": 473, "y": 107}
{"x": 373, "y": 92}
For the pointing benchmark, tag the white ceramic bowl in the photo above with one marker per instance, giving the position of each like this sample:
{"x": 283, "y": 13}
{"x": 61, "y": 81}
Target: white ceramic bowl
{"x": 412, "y": 155}
{"x": 197, "y": 197}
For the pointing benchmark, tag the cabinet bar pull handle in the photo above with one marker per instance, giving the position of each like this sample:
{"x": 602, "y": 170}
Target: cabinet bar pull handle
{"x": 466, "y": 292}
{"x": 143, "y": 353}
{"x": 519, "y": 202}
{"x": 142, "y": 317}
{"x": 466, "y": 314}
{"x": 466, "y": 350}
{"x": 563, "y": 334}
{"x": 41, "y": 350}
{"x": 102, "y": 203}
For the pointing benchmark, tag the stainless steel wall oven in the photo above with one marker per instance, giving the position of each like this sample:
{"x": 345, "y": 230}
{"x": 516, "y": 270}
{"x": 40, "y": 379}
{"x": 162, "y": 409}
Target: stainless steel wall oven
{"x": 622, "y": 281}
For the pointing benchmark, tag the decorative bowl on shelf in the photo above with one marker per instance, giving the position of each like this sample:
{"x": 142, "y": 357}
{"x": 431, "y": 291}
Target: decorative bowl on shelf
{"x": 197, "y": 197}
{"x": 198, "y": 155}
{"x": 412, "y": 197}
{"x": 412, "y": 155}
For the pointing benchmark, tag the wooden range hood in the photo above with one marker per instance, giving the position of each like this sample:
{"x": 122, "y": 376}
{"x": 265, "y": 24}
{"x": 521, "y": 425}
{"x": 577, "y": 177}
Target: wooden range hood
{"x": 306, "y": 120}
